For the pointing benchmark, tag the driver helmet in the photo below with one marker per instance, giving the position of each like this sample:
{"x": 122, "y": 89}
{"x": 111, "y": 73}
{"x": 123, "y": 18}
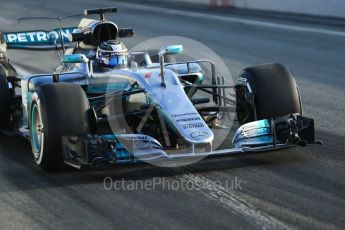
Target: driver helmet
{"x": 112, "y": 53}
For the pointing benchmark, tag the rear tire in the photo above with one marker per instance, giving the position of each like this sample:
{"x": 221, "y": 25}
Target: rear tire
{"x": 274, "y": 93}
{"x": 59, "y": 109}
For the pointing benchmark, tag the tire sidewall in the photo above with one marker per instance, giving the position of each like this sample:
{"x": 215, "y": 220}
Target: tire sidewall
{"x": 36, "y": 101}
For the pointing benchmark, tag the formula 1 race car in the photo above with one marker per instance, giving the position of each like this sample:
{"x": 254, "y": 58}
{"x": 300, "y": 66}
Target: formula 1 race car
{"x": 146, "y": 109}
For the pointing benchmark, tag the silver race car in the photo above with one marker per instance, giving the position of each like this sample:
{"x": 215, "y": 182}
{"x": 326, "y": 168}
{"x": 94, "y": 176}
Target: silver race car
{"x": 106, "y": 105}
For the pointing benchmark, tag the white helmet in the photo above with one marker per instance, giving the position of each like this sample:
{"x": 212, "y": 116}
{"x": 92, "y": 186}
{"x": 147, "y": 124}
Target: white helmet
{"x": 112, "y": 53}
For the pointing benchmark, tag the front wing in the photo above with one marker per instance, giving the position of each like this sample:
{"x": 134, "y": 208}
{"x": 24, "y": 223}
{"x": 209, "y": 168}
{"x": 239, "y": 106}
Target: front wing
{"x": 258, "y": 136}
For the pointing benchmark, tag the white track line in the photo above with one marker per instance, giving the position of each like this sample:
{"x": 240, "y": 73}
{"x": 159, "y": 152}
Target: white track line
{"x": 229, "y": 199}
{"x": 271, "y": 25}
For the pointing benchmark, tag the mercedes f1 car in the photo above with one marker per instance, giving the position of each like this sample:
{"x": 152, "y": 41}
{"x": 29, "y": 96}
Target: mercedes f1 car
{"x": 82, "y": 116}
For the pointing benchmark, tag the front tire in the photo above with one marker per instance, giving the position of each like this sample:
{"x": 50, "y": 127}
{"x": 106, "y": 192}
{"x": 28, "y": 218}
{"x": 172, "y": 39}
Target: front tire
{"x": 52, "y": 117}
{"x": 271, "y": 91}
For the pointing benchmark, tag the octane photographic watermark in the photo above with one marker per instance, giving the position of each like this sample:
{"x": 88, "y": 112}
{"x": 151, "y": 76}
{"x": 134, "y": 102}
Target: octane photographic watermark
{"x": 168, "y": 184}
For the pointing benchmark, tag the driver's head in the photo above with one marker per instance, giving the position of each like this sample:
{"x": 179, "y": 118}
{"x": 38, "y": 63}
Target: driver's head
{"x": 111, "y": 54}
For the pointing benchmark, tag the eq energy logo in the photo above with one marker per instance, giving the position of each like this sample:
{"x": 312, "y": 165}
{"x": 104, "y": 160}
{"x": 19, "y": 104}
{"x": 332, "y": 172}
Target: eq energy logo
{"x": 38, "y": 39}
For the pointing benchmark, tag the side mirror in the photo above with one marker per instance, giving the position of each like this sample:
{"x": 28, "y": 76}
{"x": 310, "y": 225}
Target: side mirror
{"x": 174, "y": 49}
{"x": 74, "y": 58}
{"x": 78, "y": 58}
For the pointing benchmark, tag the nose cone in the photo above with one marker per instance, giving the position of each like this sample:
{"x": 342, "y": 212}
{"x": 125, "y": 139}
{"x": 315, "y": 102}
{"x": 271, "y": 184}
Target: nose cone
{"x": 177, "y": 109}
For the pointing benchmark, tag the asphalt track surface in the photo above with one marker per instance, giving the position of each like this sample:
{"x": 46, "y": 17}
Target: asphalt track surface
{"x": 295, "y": 188}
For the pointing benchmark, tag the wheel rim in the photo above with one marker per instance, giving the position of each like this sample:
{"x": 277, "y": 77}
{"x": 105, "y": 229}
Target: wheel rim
{"x": 36, "y": 131}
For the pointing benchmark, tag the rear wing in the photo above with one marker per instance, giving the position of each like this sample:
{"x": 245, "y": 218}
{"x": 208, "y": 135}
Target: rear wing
{"x": 37, "y": 39}
{"x": 54, "y": 39}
